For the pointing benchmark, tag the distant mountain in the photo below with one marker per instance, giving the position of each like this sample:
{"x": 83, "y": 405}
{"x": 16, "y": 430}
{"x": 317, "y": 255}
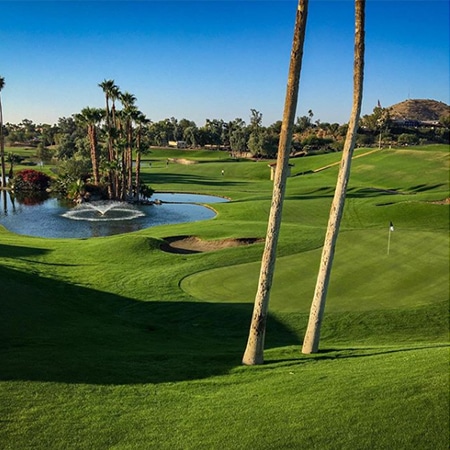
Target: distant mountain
{"x": 420, "y": 110}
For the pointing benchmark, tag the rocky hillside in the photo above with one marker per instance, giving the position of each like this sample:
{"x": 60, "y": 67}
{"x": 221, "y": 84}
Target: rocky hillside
{"x": 421, "y": 110}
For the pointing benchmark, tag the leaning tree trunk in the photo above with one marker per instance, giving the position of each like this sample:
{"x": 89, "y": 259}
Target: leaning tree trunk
{"x": 312, "y": 336}
{"x": 254, "y": 352}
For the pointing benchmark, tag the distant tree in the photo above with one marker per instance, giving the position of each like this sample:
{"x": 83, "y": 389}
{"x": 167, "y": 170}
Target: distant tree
{"x": 183, "y": 125}
{"x": 257, "y": 139}
{"x": 190, "y": 135}
{"x": 29, "y": 129}
{"x": 67, "y": 134}
{"x": 213, "y": 131}
{"x": 302, "y": 124}
{"x": 445, "y": 120}
{"x": 238, "y": 135}
{"x": 263, "y": 143}
{"x": 12, "y": 159}
{"x": 160, "y": 132}
{"x": 254, "y": 352}
{"x": 378, "y": 122}
{"x": 408, "y": 139}
{"x": 43, "y": 152}
{"x": 275, "y": 128}
{"x": 312, "y": 336}
{"x": 47, "y": 134}
{"x": 365, "y": 139}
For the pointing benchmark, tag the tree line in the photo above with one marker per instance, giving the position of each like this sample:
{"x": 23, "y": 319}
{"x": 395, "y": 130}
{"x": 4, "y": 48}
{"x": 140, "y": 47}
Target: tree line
{"x": 238, "y": 136}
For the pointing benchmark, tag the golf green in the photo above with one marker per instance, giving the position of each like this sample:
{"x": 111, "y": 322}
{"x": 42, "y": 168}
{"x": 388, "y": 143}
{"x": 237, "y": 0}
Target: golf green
{"x": 365, "y": 276}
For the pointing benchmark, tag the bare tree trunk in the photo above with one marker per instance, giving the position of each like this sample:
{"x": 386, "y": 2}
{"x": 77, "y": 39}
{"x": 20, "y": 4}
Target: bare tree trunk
{"x": 312, "y": 336}
{"x": 254, "y": 352}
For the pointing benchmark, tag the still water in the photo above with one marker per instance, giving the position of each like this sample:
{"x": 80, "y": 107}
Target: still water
{"x": 50, "y": 218}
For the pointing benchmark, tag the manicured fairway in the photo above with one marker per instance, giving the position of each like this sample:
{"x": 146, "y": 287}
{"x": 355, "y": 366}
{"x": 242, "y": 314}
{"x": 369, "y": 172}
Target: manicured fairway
{"x": 113, "y": 343}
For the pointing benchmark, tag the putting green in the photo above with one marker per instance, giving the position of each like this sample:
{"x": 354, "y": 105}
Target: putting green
{"x": 364, "y": 276}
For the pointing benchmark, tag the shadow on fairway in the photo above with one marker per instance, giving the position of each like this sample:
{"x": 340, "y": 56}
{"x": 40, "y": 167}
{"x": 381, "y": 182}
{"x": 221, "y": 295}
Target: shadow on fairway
{"x": 365, "y": 192}
{"x": 60, "y": 332}
{"x": 176, "y": 178}
{"x": 16, "y": 251}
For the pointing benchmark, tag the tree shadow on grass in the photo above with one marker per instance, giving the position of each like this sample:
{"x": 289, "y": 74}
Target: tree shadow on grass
{"x": 17, "y": 251}
{"x": 55, "y": 331}
{"x": 333, "y": 354}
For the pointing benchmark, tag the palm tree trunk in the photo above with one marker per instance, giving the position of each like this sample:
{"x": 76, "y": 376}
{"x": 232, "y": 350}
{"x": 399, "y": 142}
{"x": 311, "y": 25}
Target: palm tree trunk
{"x": 130, "y": 160}
{"x": 111, "y": 180}
{"x": 254, "y": 352}
{"x": 2, "y": 141}
{"x": 137, "y": 174}
{"x": 94, "y": 153}
{"x": 312, "y": 336}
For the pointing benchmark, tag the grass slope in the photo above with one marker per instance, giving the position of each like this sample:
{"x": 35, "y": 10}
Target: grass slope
{"x": 112, "y": 343}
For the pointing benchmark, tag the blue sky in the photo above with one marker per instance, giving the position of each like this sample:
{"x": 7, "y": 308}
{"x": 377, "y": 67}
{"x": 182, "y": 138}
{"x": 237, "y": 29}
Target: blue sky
{"x": 216, "y": 59}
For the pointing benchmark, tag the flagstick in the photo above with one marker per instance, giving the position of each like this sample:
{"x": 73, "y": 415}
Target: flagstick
{"x": 389, "y": 241}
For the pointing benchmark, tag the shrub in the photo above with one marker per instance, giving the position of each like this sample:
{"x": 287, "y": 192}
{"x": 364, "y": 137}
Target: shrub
{"x": 31, "y": 180}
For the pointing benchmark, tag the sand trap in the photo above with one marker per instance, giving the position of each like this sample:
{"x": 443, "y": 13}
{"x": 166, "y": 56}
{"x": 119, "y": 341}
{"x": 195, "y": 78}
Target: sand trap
{"x": 193, "y": 244}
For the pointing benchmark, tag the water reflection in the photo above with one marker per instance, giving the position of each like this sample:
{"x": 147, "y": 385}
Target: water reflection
{"x": 46, "y": 217}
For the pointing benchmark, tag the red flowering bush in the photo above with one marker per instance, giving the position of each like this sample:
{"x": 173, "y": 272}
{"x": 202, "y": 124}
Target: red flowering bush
{"x": 31, "y": 180}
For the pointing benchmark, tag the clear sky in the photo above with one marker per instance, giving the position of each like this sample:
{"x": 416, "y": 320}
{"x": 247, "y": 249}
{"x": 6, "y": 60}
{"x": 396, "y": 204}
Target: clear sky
{"x": 216, "y": 59}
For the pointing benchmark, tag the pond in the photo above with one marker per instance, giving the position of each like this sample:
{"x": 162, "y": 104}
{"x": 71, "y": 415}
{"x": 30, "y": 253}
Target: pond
{"x": 53, "y": 218}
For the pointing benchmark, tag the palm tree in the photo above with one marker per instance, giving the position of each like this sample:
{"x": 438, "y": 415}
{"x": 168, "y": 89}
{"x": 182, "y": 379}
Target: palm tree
{"x": 112, "y": 93}
{"x": 107, "y": 87}
{"x": 312, "y": 336}
{"x": 92, "y": 117}
{"x": 129, "y": 113}
{"x": 141, "y": 121}
{"x": 2, "y": 143}
{"x": 254, "y": 352}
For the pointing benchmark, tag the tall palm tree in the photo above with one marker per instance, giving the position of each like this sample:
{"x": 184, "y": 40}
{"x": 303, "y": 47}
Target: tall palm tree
{"x": 254, "y": 352}
{"x": 129, "y": 113}
{"x": 141, "y": 121}
{"x": 2, "y": 143}
{"x": 312, "y": 336}
{"x": 91, "y": 117}
{"x": 111, "y": 92}
{"x": 108, "y": 87}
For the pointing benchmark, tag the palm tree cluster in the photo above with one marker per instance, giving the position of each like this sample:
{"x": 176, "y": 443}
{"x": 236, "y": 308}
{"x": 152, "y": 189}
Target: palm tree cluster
{"x": 112, "y": 162}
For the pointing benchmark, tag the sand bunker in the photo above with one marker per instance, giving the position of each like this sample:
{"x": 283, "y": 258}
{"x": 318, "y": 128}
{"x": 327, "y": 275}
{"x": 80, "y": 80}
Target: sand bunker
{"x": 193, "y": 244}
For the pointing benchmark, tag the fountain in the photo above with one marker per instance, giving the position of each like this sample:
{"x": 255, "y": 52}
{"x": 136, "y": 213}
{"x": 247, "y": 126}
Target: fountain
{"x": 103, "y": 211}
{"x": 53, "y": 218}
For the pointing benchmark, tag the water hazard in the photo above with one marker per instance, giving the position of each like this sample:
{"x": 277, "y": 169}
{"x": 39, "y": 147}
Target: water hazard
{"x": 55, "y": 219}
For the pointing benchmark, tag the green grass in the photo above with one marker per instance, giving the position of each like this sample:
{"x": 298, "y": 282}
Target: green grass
{"x": 380, "y": 277}
{"x": 110, "y": 343}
